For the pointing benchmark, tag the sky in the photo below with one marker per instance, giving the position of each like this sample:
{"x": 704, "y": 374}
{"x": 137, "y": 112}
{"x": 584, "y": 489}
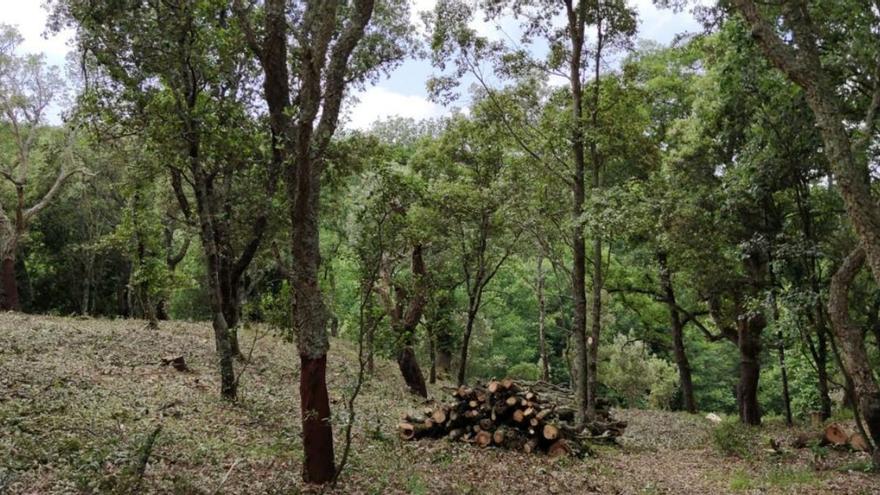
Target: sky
{"x": 402, "y": 93}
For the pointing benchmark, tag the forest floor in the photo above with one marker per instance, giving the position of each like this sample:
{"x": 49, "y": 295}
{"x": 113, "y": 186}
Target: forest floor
{"x": 80, "y": 398}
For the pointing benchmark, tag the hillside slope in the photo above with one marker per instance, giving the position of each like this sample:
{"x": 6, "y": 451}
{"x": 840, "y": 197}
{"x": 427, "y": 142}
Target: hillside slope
{"x": 80, "y": 398}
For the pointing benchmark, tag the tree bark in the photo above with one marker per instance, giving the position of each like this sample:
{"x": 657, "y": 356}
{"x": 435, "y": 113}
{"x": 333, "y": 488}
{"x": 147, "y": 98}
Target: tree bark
{"x": 542, "y": 337}
{"x": 409, "y": 368}
{"x": 432, "y": 353}
{"x": 822, "y": 365}
{"x": 576, "y": 23}
{"x": 10, "y": 300}
{"x": 595, "y": 186}
{"x": 749, "y": 329}
{"x": 465, "y": 342}
{"x": 786, "y": 396}
{"x": 318, "y": 465}
{"x": 681, "y": 359}
{"x": 852, "y": 344}
{"x": 405, "y": 316}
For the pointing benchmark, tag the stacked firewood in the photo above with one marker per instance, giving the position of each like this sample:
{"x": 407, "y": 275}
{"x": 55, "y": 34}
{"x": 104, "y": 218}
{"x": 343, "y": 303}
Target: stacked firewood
{"x": 529, "y": 417}
{"x": 834, "y": 435}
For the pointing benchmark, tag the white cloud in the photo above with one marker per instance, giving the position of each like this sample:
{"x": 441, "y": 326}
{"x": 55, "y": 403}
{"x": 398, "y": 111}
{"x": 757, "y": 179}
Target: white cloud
{"x": 663, "y": 24}
{"x": 378, "y": 103}
{"x": 30, "y": 17}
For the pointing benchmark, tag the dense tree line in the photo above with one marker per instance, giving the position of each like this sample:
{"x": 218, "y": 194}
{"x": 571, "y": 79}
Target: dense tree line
{"x": 676, "y": 226}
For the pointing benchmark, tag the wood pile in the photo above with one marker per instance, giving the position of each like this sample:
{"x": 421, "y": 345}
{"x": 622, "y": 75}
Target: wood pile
{"x": 528, "y": 417}
{"x": 834, "y": 435}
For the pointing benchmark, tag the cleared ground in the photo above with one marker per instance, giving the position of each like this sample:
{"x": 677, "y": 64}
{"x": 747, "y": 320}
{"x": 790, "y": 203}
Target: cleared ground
{"x": 80, "y": 398}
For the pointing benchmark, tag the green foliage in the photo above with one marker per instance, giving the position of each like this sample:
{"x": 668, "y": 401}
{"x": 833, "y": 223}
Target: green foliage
{"x": 636, "y": 375}
{"x": 524, "y": 371}
{"x": 733, "y": 438}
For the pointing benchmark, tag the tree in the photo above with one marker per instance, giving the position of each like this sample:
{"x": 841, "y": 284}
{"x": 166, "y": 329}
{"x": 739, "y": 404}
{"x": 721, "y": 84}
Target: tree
{"x": 28, "y": 88}
{"x": 473, "y": 193}
{"x": 567, "y": 58}
{"x": 198, "y": 115}
{"x": 801, "y": 39}
{"x": 309, "y": 56}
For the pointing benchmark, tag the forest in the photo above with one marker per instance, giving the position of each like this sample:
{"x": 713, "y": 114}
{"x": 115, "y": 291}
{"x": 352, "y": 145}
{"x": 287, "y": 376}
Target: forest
{"x": 611, "y": 265}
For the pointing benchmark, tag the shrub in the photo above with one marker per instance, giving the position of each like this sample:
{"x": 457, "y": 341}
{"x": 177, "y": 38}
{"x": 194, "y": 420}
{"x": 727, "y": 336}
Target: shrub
{"x": 638, "y": 377}
{"x": 733, "y": 438}
{"x": 524, "y": 371}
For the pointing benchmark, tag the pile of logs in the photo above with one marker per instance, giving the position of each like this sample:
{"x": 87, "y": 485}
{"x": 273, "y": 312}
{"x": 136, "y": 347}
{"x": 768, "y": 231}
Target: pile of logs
{"x": 834, "y": 435}
{"x": 528, "y": 417}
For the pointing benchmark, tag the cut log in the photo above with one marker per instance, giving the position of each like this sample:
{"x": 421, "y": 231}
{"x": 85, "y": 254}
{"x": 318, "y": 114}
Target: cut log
{"x": 499, "y": 436}
{"x": 836, "y": 435}
{"x": 510, "y": 418}
{"x": 859, "y": 443}
{"x": 483, "y": 438}
{"x": 410, "y": 431}
{"x": 558, "y": 448}
{"x": 550, "y": 432}
{"x": 530, "y": 446}
{"x": 439, "y": 416}
{"x": 494, "y": 387}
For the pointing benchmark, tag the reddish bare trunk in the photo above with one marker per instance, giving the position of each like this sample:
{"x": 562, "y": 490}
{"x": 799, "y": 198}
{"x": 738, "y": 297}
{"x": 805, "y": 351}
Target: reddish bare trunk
{"x": 318, "y": 465}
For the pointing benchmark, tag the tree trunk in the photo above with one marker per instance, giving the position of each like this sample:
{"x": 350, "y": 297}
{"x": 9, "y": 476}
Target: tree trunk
{"x": 432, "y": 353}
{"x": 309, "y": 312}
{"x": 231, "y": 293}
{"x": 542, "y": 338}
{"x": 822, "y": 368}
{"x": 780, "y": 343}
{"x": 749, "y": 329}
{"x": 596, "y": 325}
{"x": 228, "y": 385}
{"x": 10, "y": 301}
{"x": 852, "y": 344}
{"x": 162, "y": 309}
{"x": 786, "y": 396}
{"x": 681, "y": 359}
{"x": 465, "y": 343}
{"x": 206, "y": 210}
{"x": 369, "y": 340}
{"x": 412, "y": 374}
{"x": 318, "y": 465}
{"x": 595, "y": 186}
{"x": 576, "y": 23}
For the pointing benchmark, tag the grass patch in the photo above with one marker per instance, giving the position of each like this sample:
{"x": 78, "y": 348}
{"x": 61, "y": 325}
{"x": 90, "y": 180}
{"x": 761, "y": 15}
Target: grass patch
{"x": 777, "y": 479}
{"x": 741, "y": 481}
